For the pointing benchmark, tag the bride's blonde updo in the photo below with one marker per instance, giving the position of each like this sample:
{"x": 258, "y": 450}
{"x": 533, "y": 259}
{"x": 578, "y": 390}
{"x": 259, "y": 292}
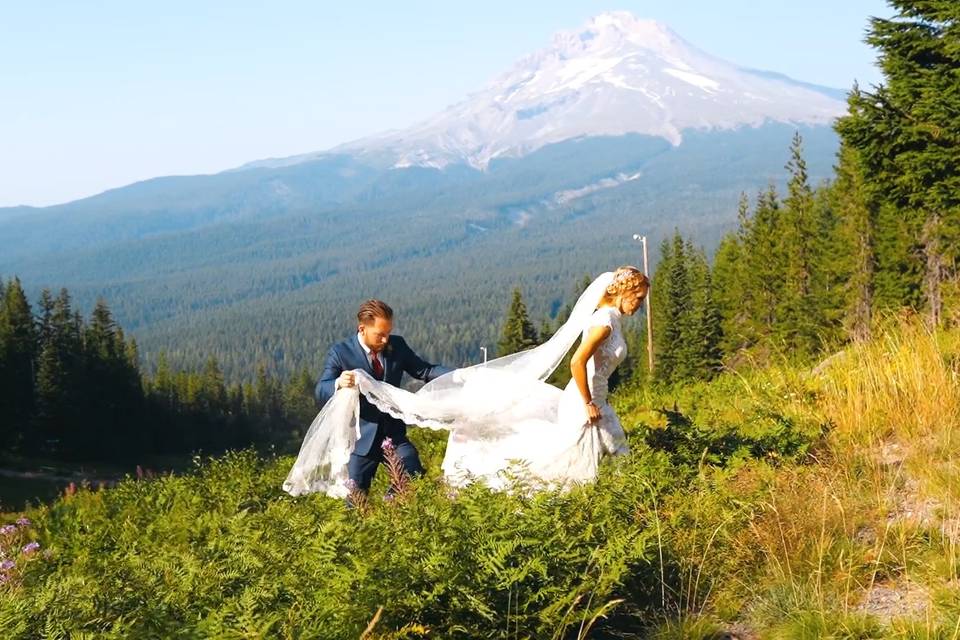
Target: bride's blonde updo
{"x": 628, "y": 279}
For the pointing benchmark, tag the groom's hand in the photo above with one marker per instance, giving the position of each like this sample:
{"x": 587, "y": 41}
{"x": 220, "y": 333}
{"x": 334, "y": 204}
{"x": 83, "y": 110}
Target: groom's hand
{"x": 346, "y": 380}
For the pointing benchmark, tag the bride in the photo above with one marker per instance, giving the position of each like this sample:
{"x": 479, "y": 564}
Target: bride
{"x": 504, "y": 420}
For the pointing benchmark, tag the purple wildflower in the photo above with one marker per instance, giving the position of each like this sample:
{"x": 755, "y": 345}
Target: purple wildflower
{"x": 388, "y": 497}
{"x": 387, "y": 444}
{"x": 4, "y": 578}
{"x": 31, "y": 547}
{"x": 23, "y": 522}
{"x": 7, "y": 529}
{"x": 350, "y": 484}
{"x": 6, "y": 565}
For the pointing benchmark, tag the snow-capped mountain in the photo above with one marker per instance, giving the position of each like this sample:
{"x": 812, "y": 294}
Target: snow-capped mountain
{"x": 616, "y": 75}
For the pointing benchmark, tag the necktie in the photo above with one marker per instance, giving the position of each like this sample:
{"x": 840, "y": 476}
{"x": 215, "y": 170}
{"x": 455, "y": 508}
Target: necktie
{"x": 377, "y": 365}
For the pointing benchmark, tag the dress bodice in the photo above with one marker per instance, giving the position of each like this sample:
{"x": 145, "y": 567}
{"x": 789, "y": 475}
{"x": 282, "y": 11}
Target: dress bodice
{"x": 609, "y": 354}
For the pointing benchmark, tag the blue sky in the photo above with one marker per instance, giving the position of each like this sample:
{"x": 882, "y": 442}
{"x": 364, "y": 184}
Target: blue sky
{"x": 98, "y": 95}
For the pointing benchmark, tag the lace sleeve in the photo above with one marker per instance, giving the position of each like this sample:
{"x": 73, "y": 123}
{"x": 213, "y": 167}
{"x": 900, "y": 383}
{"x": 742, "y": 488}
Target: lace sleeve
{"x": 602, "y": 317}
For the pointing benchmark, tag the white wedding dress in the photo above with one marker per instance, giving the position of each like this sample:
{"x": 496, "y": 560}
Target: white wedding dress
{"x": 505, "y": 421}
{"x": 551, "y": 452}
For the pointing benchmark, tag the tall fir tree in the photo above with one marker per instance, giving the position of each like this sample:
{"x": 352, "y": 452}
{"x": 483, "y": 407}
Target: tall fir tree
{"x": 268, "y": 396}
{"x": 853, "y": 269}
{"x": 729, "y": 290}
{"x": 299, "y": 405}
{"x": 708, "y": 334}
{"x": 58, "y": 374}
{"x": 764, "y": 267}
{"x": 797, "y": 314}
{"x": 162, "y": 386}
{"x": 726, "y": 285}
{"x": 110, "y": 390}
{"x": 212, "y": 397}
{"x": 518, "y": 332}
{"x": 907, "y": 135}
{"x": 663, "y": 340}
{"x": 18, "y": 355}
{"x": 676, "y": 346}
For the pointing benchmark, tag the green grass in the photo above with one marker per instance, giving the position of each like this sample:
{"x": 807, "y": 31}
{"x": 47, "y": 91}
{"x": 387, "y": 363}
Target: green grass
{"x": 751, "y": 499}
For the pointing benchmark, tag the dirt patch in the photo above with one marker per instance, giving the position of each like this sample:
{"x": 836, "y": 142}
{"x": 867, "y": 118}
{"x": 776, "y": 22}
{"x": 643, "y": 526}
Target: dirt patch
{"x": 901, "y": 600}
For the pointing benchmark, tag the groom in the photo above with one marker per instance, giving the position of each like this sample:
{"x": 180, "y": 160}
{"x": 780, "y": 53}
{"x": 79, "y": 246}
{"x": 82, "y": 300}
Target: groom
{"x": 384, "y": 357}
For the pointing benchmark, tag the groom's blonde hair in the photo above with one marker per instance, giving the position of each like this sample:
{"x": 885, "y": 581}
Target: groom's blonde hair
{"x": 373, "y": 309}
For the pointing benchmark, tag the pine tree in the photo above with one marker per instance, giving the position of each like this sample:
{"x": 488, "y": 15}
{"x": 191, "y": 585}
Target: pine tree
{"x": 162, "y": 387}
{"x": 46, "y": 316}
{"x": 236, "y": 402}
{"x": 676, "y": 345}
{"x": 797, "y": 315}
{"x": 58, "y": 373}
{"x": 852, "y": 270}
{"x": 633, "y": 370}
{"x": 97, "y": 388}
{"x": 18, "y": 354}
{"x": 110, "y": 390}
{"x": 299, "y": 405}
{"x": 101, "y": 338}
{"x": 664, "y": 354}
{"x": 899, "y": 276}
{"x": 729, "y": 294}
{"x": 907, "y": 135}
{"x": 212, "y": 395}
{"x": 518, "y": 332}
{"x": 709, "y": 332}
{"x": 268, "y": 402}
{"x": 764, "y": 268}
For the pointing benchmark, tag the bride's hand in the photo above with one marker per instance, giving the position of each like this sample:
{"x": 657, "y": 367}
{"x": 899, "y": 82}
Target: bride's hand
{"x": 593, "y": 412}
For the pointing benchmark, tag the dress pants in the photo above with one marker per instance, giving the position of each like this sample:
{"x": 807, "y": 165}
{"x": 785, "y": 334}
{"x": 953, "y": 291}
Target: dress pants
{"x": 363, "y": 468}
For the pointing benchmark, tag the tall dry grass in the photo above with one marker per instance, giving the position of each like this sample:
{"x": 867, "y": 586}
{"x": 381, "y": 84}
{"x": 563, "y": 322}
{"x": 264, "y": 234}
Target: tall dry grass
{"x": 879, "y": 511}
{"x": 903, "y": 385}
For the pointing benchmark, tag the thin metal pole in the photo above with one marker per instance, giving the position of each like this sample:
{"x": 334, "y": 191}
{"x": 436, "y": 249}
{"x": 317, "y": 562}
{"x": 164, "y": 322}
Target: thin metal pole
{"x": 646, "y": 272}
{"x": 484, "y": 349}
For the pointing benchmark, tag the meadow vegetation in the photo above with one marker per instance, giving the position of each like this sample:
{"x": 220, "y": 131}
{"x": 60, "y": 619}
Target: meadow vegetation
{"x": 789, "y": 502}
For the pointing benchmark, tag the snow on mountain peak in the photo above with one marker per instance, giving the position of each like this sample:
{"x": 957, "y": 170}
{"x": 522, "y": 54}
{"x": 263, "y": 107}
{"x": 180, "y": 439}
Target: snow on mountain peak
{"x": 615, "y": 75}
{"x": 620, "y": 26}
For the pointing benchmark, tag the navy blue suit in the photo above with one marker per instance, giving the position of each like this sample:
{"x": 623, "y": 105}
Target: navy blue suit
{"x": 374, "y": 424}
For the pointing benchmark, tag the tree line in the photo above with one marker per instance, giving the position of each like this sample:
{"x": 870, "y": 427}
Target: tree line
{"x": 71, "y": 388}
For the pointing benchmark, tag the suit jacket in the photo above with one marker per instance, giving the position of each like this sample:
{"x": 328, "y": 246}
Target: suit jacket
{"x": 398, "y": 358}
